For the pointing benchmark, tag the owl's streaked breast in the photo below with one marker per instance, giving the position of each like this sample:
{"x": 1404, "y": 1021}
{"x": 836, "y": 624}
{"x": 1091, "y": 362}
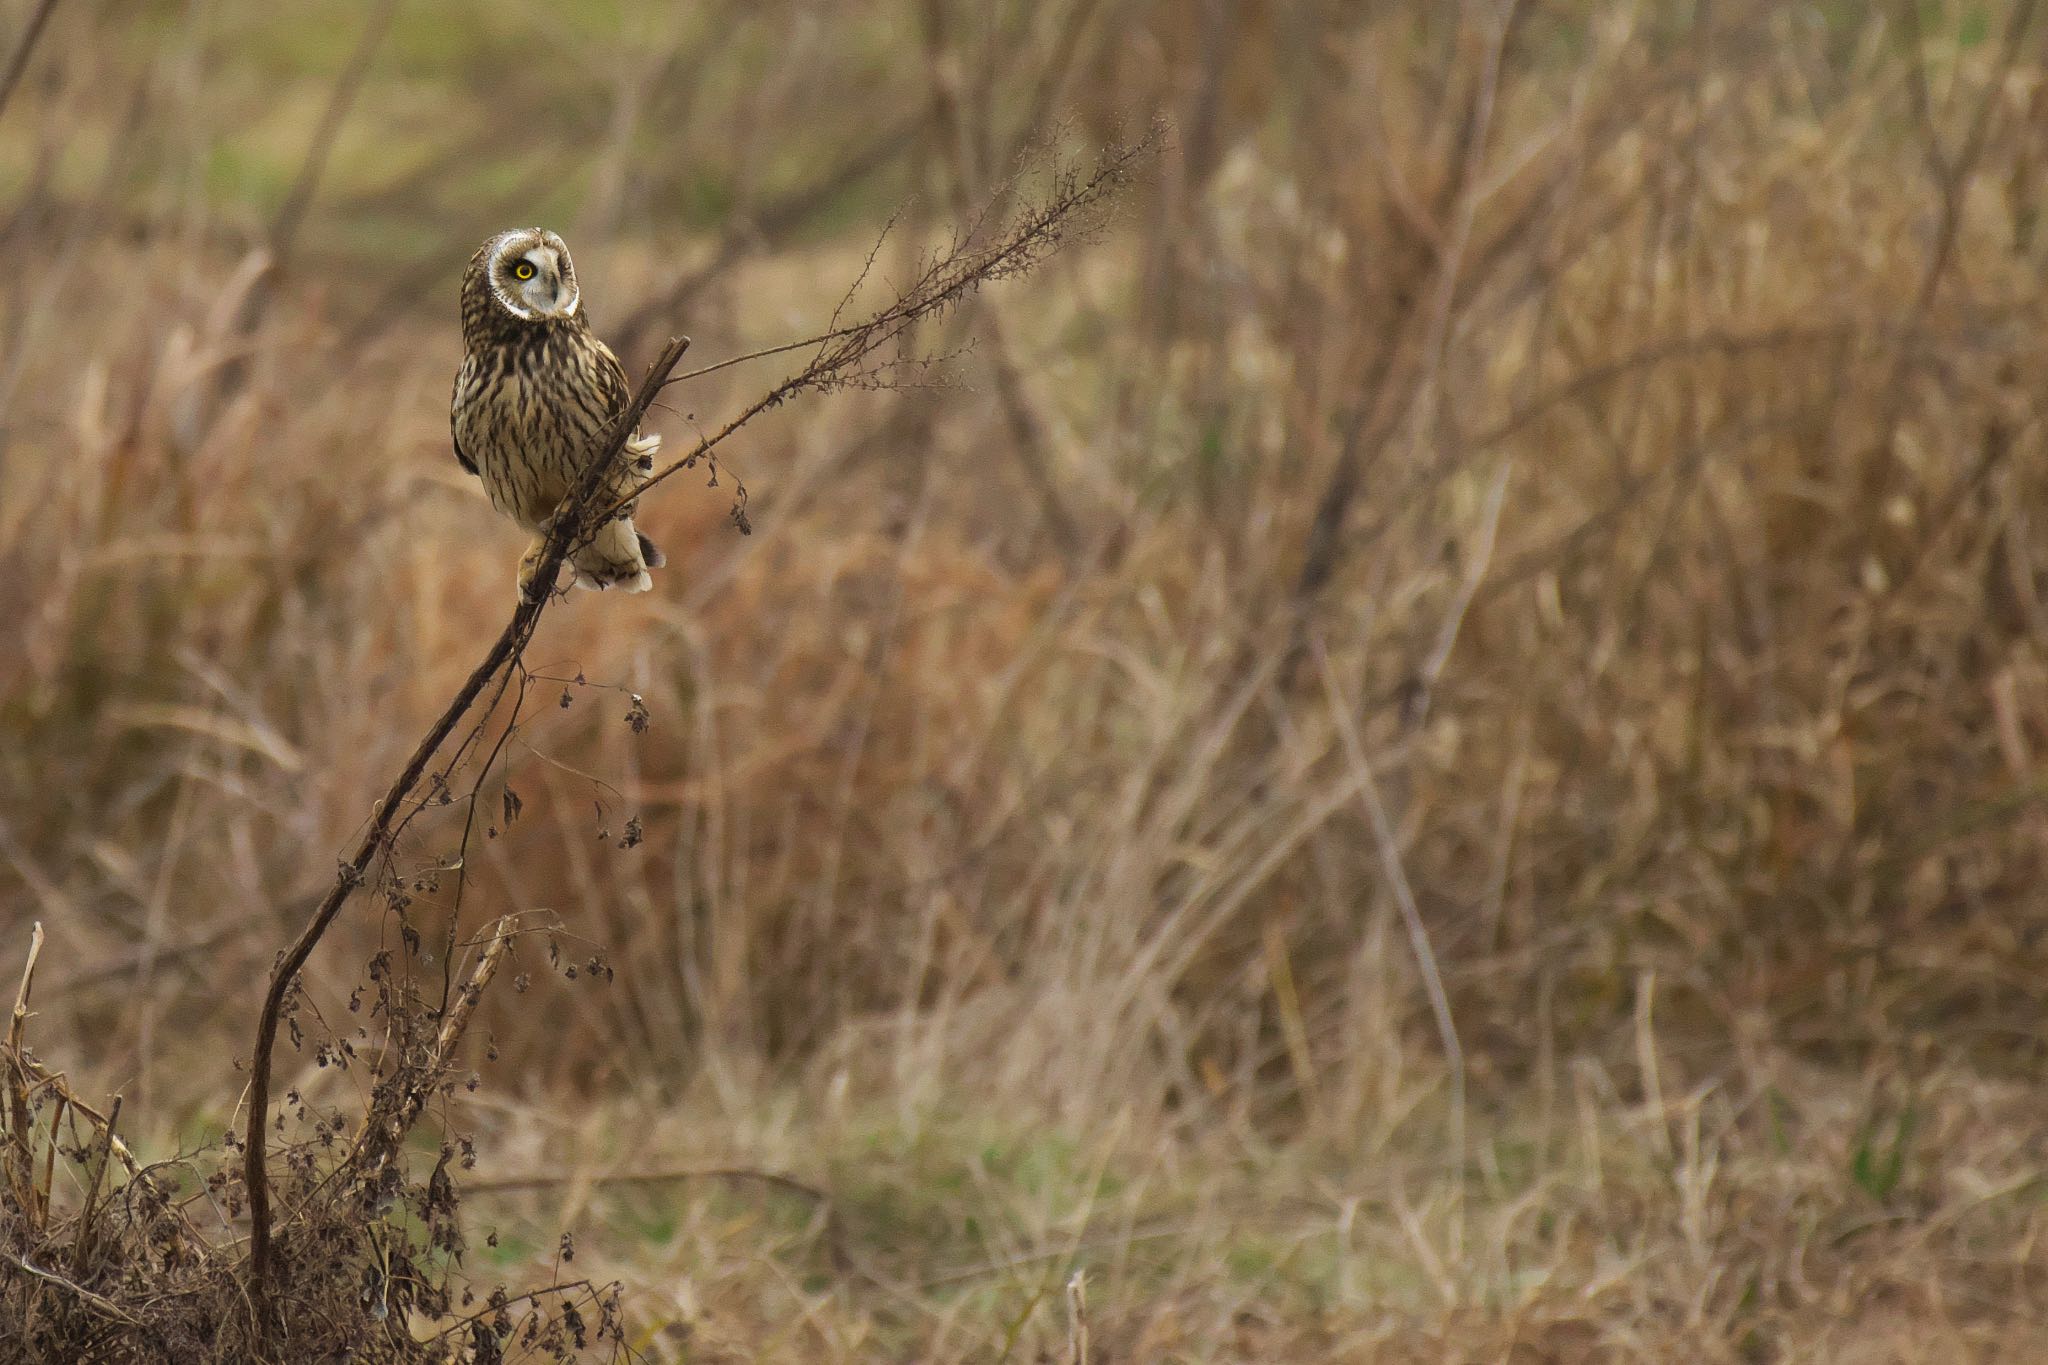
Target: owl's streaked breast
{"x": 526, "y": 412}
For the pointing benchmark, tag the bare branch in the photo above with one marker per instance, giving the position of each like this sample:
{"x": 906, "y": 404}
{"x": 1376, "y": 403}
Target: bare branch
{"x": 398, "y": 1101}
{"x": 511, "y": 641}
{"x": 971, "y": 260}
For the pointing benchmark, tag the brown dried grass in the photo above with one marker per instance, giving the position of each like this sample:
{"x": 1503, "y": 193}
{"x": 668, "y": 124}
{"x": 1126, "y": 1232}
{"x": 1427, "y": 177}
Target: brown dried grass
{"x": 988, "y": 878}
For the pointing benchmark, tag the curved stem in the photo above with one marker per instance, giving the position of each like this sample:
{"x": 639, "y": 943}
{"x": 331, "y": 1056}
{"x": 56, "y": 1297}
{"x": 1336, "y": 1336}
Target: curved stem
{"x": 510, "y": 643}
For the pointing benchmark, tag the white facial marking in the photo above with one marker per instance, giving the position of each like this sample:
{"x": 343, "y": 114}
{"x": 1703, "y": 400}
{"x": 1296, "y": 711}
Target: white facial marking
{"x": 570, "y": 294}
{"x": 499, "y": 266}
{"x": 552, "y": 291}
{"x": 537, "y": 289}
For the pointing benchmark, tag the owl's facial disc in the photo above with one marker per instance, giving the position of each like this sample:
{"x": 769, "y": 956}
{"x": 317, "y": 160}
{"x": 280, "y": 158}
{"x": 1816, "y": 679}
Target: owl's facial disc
{"x": 533, "y": 278}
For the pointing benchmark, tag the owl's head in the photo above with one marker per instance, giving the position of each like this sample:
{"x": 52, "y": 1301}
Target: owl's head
{"x": 530, "y": 275}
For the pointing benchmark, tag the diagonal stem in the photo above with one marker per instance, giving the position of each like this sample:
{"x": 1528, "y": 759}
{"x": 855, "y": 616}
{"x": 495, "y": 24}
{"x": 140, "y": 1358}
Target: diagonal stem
{"x": 510, "y": 643}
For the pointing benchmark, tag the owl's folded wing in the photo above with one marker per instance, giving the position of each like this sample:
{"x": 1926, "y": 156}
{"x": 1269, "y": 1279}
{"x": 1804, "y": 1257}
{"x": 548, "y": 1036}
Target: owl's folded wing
{"x": 465, "y": 391}
{"x": 611, "y": 377}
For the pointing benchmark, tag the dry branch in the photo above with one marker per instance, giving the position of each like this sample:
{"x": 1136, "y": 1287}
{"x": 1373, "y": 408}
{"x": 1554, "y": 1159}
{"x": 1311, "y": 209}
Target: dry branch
{"x": 99, "y": 1303}
{"x": 843, "y": 355}
{"x": 1077, "y": 1318}
{"x": 767, "y": 226}
{"x": 21, "y": 1157}
{"x": 511, "y": 641}
{"x": 82, "y": 1251}
{"x": 398, "y": 1101}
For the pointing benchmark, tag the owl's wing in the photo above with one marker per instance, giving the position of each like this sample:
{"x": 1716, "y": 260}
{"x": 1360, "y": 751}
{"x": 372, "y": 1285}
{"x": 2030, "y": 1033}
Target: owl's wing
{"x": 465, "y": 384}
{"x": 639, "y": 450}
{"x": 611, "y": 379}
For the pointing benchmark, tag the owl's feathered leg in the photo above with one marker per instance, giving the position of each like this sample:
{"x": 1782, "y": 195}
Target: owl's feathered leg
{"x": 618, "y": 555}
{"x": 640, "y": 453}
{"x": 612, "y": 559}
{"x": 529, "y": 562}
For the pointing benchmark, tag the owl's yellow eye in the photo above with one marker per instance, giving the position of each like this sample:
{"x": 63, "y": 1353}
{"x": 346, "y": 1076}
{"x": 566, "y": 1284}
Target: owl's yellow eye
{"x": 523, "y": 271}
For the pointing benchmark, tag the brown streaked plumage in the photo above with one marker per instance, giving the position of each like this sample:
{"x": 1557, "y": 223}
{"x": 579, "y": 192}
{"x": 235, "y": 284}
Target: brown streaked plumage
{"x": 535, "y": 391}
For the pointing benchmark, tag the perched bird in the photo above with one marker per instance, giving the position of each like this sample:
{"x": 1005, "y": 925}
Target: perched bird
{"x": 536, "y": 391}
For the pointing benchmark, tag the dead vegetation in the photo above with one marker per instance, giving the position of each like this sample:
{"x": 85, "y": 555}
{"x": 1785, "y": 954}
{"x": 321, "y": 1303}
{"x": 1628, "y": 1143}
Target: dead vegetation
{"x": 334, "y": 1229}
{"x": 142, "y": 1261}
{"x": 1433, "y": 752}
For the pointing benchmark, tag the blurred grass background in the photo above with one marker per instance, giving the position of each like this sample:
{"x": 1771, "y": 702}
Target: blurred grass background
{"x": 1604, "y": 437}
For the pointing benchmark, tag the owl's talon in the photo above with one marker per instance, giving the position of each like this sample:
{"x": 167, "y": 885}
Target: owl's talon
{"x": 643, "y": 448}
{"x": 529, "y": 565}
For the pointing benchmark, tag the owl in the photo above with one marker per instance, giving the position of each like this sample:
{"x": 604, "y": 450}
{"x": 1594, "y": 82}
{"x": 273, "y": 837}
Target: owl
{"x": 536, "y": 391}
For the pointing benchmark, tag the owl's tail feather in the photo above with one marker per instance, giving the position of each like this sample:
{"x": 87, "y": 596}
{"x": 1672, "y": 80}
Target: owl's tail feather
{"x": 614, "y": 559}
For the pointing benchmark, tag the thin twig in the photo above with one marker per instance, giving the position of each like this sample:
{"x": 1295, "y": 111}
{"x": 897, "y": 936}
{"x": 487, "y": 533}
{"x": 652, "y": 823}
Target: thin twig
{"x": 1077, "y": 1318}
{"x": 512, "y": 1184}
{"x": 135, "y": 959}
{"x": 41, "y": 1077}
{"x": 1035, "y": 1257}
{"x": 83, "y": 1250}
{"x": 103, "y": 1304}
{"x": 379, "y": 1134}
{"x": 947, "y": 279}
{"x": 21, "y": 1164}
{"x": 18, "y": 1022}
{"x": 500, "y": 1305}
{"x": 1387, "y": 840}
{"x": 399, "y": 1100}
{"x": 1010, "y": 254}
{"x": 768, "y": 225}
{"x": 1478, "y": 560}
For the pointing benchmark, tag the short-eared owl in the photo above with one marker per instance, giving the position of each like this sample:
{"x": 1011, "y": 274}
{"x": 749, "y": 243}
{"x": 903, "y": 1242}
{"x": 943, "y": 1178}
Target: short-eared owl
{"x": 535, "y": 392}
